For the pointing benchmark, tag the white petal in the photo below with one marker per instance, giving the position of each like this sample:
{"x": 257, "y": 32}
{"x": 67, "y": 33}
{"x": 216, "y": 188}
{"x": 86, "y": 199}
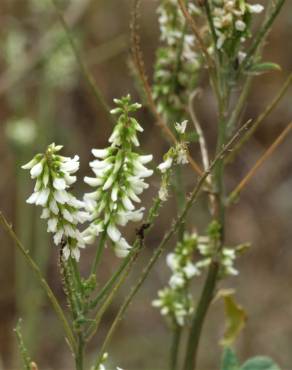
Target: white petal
{"x": 93, "y": 181}
{"x": 100, "y": 153}
{"x": 75, "y": 252}
{"x": 145, "y": 158}
{"x": 127, "y": 203}
{"x": 29, "y": 165}
{"x": 43, "y": 197}
{"x": 61, "y": 196}
{"x": 36, "y": 170}
{"x": 164, "y": 166}
{"x": 66, "y": 252}
{"x": 109, "y": 182}
{"x": 32, "y": 199}
{"x": 122, "y": 248}
{"x": 59, "y": 183}
{"x": 45, "y": 213}
{"x": 256, "y": 8}
{"x": 58, "y": 237}
{"x": 54, "y": 207}
{"x": 52, "y": 225}
{"x": 113, "y": 233}
{"x": 67, "y": 215}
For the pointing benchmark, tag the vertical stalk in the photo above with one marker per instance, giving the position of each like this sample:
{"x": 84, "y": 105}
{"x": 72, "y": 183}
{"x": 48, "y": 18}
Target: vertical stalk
{"x": 211, "y": 279}
{"x": 176, "y": 336}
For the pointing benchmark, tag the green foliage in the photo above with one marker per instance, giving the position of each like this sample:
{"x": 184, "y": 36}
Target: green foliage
{"x": 230, "y": 362}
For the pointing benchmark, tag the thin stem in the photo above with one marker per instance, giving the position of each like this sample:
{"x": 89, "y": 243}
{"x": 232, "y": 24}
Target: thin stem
{"x": 198, "y": 321}
{"x": 235, "y": 193}
{"x": 80, "y": 354}
{"x": 125, "y": 267}
{"x": 174, "y": 349}
{"x": 260, "y": 119}
{"x": 99, "y": 250}
{"x": 110, "y": 283}
{"x": 86, "y": 73}
{"x": 162, "y": 246}
{"x": 52, "y": 298}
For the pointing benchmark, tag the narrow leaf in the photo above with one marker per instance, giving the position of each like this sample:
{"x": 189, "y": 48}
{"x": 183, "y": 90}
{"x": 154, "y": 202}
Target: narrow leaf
{"x": 259, "y": 68}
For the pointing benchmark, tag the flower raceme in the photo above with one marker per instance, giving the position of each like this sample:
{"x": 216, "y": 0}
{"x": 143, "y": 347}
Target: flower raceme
{"x": 54, "y": 174}
{"x": 119, "y": 180}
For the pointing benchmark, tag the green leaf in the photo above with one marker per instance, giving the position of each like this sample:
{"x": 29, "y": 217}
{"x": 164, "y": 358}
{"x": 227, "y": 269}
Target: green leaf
{"x": 229, "y": 360}
{"x": 259, "y": 68}
{"x": 235, "y": 317}
{"x": 260, "y": 363}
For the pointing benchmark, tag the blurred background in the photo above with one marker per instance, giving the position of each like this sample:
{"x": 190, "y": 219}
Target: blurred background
{"x": 44, "y": 98}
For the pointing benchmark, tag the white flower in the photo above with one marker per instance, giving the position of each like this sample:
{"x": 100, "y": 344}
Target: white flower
{"x": 181, "y": 127}
{"x": 61, "y": 209}
{"x": 36, "y": 170}
{"x": 164, "y": 166}
{"x": 122, "y": 248}
{"x": 240, "y": 25}
{"x": 113, "y": 233}
{"x": 177, "y": 281}
{"x": 119, "y": 179}
{"x": 256, "y": 8}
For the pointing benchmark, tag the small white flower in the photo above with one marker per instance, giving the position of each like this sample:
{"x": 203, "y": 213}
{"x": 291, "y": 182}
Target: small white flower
{"x": 256, "y": 8}
{"x": 36, "y": 170}
{"x": 177, "y": 281}
{"x": 164, "y": 166}
{"x": 181, "y": 127}
{"x": 240, "y": 25}
{"x": 113, "y": 233}
{"x": 59, "y": 183}
{"x": 122, "y": 248}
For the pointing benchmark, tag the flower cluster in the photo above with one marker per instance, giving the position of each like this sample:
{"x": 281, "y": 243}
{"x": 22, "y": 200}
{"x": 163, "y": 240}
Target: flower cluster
{"x": 54, "y": 175}
{"x": 119, "y": 179}
{"x": 177, "y": 63}
{"x": 175, "y": 301}
{"x": 101, "y": 366}
{"x": 175, "y": 155}
{"x": 232, "y": 20}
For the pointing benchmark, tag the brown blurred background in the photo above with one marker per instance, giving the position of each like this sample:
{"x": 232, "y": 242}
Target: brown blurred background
{"x": 44, "y": 98}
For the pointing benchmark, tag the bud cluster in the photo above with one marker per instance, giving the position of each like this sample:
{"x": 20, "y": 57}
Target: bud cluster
{"x": 119, "y": 179}
{"x": 232, "y": 20}
{"x": 175, "y": 301}
{"x": 54, "y": 176}
{"x": 177, "y": 62}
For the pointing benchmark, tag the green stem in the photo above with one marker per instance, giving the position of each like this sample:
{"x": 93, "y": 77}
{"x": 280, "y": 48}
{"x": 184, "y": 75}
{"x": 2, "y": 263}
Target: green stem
{"x": 110, "y": 283}
{"x": 55, "y": 304}
{"x": 174, "y": 350}
{"x": 199, "y": 318}
{"x": 80, "y": 354}
{"x": 99, "y": 250}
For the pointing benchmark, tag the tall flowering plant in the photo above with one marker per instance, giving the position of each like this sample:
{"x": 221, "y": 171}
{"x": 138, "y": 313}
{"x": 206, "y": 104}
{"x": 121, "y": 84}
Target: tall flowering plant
{"x": 213, "y": 36}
